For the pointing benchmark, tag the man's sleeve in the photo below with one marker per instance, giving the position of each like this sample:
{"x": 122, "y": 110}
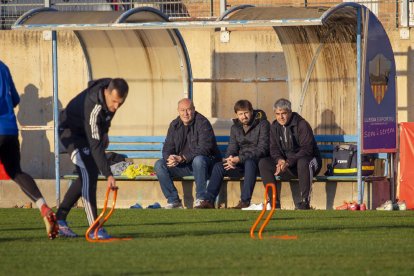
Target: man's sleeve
{"x": 233, "y": 148}
{"x": 275, "y": 151}
{"x": 14, "y": 95}
{"x": 305, "y": 140}
{"x": 206, "y": 142}
{"x": 262, "y": 149}
{"x": 96, "y": 142}
{"x": 169, "y": 146}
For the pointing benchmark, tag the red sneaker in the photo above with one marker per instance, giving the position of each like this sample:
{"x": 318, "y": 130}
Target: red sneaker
{"x": 354, "y": 206}
{"x": 52, "y": 227}
{"x": 344, "y": 206}
{"x": 363, "y": 207}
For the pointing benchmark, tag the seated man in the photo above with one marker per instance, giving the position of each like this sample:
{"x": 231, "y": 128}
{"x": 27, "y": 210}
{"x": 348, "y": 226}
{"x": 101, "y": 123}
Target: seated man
{"x": 249, "y": 141}
{"x": 190, "y": 148}
{"x": 293, "y": 151}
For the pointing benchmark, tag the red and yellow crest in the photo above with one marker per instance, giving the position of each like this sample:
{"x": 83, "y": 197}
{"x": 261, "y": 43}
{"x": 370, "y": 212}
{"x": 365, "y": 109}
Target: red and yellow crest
{"x": 379, "y": 71}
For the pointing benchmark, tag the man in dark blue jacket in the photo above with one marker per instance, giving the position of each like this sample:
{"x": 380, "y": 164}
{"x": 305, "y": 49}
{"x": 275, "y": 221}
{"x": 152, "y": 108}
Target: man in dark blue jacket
{"x": 10, "y": 149}
{"x": 293, "y": 151}
{"x": 190, "y": 148}
{"x": 249, "y": 141}
{"x": 83, "y": 131}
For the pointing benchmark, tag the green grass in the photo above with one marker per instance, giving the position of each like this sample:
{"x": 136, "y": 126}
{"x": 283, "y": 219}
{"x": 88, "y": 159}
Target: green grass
{"x": 213, "y": 242}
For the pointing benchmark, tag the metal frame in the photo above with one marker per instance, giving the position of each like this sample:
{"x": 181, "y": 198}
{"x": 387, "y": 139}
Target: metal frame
{"x": 118, "y": 25}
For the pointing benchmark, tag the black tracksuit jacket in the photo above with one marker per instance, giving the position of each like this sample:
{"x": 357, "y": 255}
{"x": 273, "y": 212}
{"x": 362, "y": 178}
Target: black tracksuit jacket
{"x": 87, "y": 117}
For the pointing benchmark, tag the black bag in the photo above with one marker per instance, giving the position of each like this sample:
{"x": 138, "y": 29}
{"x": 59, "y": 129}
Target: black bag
{"x": 344, "y": 162}
{"x": 114, "y": 158}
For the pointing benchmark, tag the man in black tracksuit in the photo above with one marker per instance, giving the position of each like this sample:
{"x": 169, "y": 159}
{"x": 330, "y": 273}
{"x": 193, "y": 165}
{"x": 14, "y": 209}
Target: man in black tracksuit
{"x": 293, "y": 151}
{"x": 249, "y": 142}
{"x": 83, "y": 131}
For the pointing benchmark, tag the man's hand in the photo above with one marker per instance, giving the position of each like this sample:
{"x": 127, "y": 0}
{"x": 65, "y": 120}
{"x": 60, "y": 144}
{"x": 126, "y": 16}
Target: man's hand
{"x": 112, "y": 183}
{"x": 174, "y": 160}
{"x": 230, "y": 162}
{"x": 281, "y": 166}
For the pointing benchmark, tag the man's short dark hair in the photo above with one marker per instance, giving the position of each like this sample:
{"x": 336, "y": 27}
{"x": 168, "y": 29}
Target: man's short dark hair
{"x": 243, "y": 105}
{"x": 120, "y": 85}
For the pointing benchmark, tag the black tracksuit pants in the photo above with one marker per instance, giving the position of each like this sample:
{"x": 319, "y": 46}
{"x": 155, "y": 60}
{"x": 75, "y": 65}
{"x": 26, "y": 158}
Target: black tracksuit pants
{"x": 304, "y": 170}
{"x": 85, "y": 186}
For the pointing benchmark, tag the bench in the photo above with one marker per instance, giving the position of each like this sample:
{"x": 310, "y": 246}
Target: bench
{"x": 150, "y": 147}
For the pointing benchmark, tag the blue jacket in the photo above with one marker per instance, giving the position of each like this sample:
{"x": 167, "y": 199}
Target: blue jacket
{"x": 9, "y": 99}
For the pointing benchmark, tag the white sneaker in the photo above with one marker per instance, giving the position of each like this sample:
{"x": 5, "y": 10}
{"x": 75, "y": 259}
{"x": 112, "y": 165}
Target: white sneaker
{"x": 268, "y": 206}
{"x": 174, "y": 205}
{"x": 401, "y": 205}
{"x": 197, "y": 202}
{"x": 257, "y": 207}
{"x": 386, "y": 206}
{"x": 254, "y": 207}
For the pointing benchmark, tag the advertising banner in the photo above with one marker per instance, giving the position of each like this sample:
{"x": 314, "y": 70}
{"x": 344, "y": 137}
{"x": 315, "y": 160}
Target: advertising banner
{"x": 379, "y": 114}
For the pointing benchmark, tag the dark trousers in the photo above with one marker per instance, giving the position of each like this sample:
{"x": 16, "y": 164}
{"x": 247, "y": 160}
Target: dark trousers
{"x": 248, "y": 170}
{"x": 304, "y": 170}
{"x": 10, "y": 157}
{"x": 85, "y": 186}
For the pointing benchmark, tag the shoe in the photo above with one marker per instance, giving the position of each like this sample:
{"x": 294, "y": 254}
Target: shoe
{"x": 197, "y": 203}
{"x": 303, "y": 205}
{"x": 156, "y": 205}
{"x": 363, "y": 207}
{"x": 401, "y": 205}
{"x": 65, "y": 231}
{"x": 136, "y": 206}
{"x": 354, "y": 206}
{"x": 257, "y": 207}
{"x": 241, "y": 205}
{"x": 102, "y": 234}
{"x": 254, "y": 207}
{"x": 344, "y": 206}
{"x": 52, "y": 228}
{"x": 386, "y": 206}
{"x": 204, "y": 204}
{"x": 175, "y": 205}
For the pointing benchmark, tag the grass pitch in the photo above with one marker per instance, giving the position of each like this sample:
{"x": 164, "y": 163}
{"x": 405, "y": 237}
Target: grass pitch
{"x": 213, "y": 242}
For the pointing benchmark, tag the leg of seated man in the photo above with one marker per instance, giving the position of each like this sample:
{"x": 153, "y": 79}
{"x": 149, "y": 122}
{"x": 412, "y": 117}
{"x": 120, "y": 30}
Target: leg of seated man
{"x": 214, "y": 185}
{"x": 306, "y": 170}
{"x": 165, "y": 177}
{"x": 250, "y": 174}
{"x": 200, "y": 167}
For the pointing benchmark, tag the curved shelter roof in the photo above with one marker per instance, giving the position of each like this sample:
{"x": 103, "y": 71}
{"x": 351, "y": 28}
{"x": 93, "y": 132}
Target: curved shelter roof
{"x": 339, "y": 62}
{"x": 154, "y": 62}
{"x": 321, "y": 58}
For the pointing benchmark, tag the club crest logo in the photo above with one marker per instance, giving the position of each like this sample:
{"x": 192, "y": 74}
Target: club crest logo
{"x": 379, "y": 71}
{"x": 86, "y": 151}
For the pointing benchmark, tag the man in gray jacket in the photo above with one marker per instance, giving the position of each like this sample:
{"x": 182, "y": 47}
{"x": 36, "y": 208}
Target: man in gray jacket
{"x": 293, "y": 151}
{"x": 249, "y": 141}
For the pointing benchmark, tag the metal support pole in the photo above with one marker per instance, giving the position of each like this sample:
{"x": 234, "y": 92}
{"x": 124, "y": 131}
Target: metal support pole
{"x": 56, "y": 115}
{"x": 223, "y": 6}
{"x": 405, "y": 14}
{"x": 359, "y": 94}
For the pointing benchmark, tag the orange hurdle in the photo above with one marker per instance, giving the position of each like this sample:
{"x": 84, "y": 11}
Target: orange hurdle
{"x": 266, "y": 200}
{"x": 99, "y": 222}
{"x": 269, "y": 216}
